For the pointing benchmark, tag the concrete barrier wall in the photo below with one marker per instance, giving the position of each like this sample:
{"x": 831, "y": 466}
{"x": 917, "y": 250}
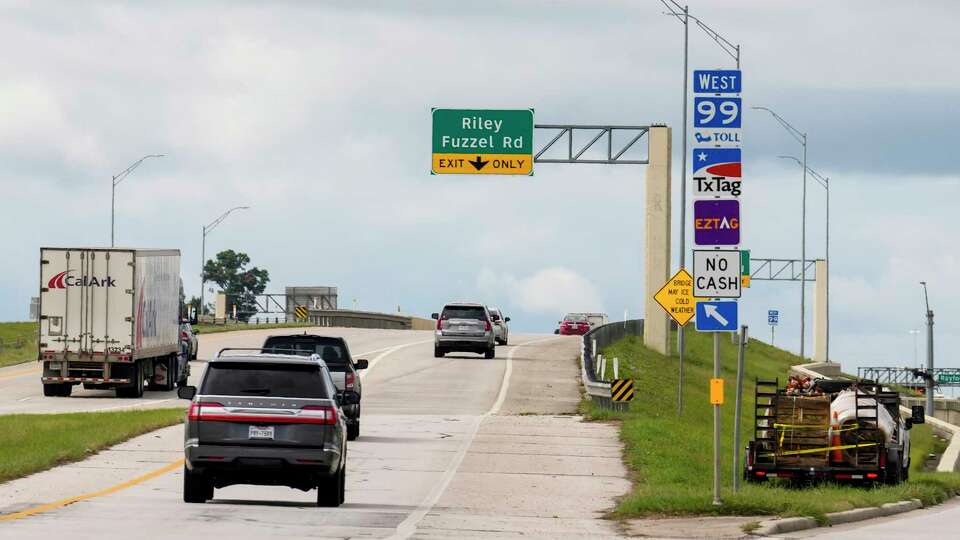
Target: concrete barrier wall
{"x": 416, "y": 323}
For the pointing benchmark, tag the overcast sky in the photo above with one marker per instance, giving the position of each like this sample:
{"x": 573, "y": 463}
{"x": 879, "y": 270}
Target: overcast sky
{"x": 317, "y": 115}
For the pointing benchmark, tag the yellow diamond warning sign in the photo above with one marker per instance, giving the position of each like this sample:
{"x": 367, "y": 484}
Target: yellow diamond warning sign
{"x": 676, "y": 297}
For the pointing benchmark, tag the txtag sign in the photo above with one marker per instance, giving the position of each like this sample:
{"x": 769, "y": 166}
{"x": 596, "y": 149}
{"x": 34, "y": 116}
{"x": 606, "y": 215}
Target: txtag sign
{"x": 716, "y": 172}
{"x": 482, "y": 141}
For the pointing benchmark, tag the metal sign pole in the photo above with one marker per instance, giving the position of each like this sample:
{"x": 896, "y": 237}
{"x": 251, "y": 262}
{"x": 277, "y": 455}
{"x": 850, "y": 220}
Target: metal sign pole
{"x": 716, "y": 424}
{"x": 737, "y": 411}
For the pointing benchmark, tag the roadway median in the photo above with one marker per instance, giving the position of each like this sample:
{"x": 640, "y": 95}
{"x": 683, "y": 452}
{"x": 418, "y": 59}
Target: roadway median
{"x": 670, "y": 456}
{"x": 31, "y": 443}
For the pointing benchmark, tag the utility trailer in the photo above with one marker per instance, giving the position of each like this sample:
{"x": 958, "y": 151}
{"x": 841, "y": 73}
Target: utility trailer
{"x": 838, "y": 430}
{"x": 110, "y": 319}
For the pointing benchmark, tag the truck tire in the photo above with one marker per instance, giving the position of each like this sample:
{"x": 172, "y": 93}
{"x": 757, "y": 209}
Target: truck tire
{"x": 490, "y": 353}
{"x": 353, "y": 430}
{"x": 438, "y": 352}
{"x": 894, "y": 472}
{"x": 171, "y": 364}
{"x": 196, "y": 488}
{"x": 329, "y": 490}
{"x": 135, "y": 388}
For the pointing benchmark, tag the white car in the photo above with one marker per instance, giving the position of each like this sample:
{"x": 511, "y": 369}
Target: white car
{"x": 187, "y": 335}
{"x": 500, "y": 331}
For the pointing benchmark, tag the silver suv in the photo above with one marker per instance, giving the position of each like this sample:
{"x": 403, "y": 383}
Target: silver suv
{"x": 464, "y": 327}
{"x": 266, "y": 419}
{"x": 501, "y": 332}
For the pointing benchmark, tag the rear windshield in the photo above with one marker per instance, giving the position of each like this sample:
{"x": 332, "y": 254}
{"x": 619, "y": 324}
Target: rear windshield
{"x": 264, "y": 380}
{"x": 464, "y": 312}
{"x": 330, "y": 350}
{"x": 575, "y": 318}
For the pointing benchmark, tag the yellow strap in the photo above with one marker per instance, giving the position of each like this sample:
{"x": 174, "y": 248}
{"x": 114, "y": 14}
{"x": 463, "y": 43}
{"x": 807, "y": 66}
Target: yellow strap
{"x": 824, "y": 449}
{"x": 851, "y": 427}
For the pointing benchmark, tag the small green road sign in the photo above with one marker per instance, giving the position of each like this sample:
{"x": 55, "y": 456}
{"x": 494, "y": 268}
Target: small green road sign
{"x": 948, "y": 378}
{"x": 482, "y": 141}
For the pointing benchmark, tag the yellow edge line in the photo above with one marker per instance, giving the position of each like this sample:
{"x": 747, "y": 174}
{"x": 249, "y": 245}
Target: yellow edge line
{"x": 16, "y": 374}
{"x": 110, "y": 490}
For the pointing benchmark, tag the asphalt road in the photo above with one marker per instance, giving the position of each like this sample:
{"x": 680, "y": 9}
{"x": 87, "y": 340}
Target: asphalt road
{"x": 459, "y": 447}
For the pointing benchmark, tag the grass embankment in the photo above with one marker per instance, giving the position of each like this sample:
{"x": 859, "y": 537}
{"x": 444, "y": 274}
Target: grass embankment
{"x": 35, "y": 442}
{"x": 18, "y": 342}
{"x": 217, "y": 328}
{"x": 671, "y": 457}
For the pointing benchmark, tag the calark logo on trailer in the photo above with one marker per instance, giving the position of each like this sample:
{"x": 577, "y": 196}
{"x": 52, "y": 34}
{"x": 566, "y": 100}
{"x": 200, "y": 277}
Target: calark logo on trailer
{"x": 64, "y": 280}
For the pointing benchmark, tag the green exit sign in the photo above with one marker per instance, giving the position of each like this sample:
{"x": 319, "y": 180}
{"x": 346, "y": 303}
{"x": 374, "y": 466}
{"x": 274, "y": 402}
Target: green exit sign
{"x": 948, "y": 378}
{"x": 482, "y": 141}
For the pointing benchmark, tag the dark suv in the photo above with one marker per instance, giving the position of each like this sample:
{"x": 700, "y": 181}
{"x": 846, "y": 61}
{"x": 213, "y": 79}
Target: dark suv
{"x": 265, "y": 419}
{"x": 336, "y": 355}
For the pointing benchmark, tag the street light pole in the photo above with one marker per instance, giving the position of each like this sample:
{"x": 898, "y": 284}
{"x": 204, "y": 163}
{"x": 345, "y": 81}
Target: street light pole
{"x": 824, "y": 182}
{"x": 929, "y": 378}
{"x": 117, "y": 178}
{"x": 800, "y": 137}
{"x": 203, "y": 248}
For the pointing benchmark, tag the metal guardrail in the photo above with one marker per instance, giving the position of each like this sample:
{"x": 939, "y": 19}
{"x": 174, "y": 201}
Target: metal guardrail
{"x": 599, "y": 391}
{"x": 342, "y": 318}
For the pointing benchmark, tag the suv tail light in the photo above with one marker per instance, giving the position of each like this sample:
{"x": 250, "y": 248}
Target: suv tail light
{"x": 197, "y": 409}
{"x": 349, "y": 379}
{"x": 439, "y": 323}
{"x": 488, "y": 326}
{"x": 318, "y": 414}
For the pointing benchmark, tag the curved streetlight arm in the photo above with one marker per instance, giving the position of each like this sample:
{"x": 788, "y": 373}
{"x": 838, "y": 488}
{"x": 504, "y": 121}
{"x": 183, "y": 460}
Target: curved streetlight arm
{"x": 675, "y": 10}
{"x": 800, "y": 136}
{"x": 123, "y": 174}
{"x": 222, "y": 217}
{"x": 823, "y": 180}
{"x": 926, "y": 299}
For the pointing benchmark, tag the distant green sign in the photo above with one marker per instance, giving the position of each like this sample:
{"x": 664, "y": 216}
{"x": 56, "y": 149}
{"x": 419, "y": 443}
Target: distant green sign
{"x": 482, "y": 141}
{"x": 948, "y": 378}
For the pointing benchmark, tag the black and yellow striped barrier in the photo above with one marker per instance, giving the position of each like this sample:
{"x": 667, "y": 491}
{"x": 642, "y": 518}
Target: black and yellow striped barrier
{"x": 301, "y": 312}
{"x": 621, "y": 390}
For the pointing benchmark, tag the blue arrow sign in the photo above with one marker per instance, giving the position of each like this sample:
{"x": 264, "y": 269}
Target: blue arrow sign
{"x": 717, "y": 316}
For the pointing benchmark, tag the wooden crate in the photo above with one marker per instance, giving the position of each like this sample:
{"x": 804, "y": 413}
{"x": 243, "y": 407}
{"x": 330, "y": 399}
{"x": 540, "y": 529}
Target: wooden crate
{"x": 803, "y": 424}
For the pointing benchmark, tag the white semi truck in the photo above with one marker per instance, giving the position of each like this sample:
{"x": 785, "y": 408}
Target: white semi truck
{"x": 110, "y": 319}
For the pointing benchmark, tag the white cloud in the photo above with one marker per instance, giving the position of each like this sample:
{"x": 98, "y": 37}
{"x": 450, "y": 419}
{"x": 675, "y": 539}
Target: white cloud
{"x": 548, "y": 291}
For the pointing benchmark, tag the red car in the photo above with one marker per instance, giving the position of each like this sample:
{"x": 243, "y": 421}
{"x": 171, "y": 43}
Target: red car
{"x": 574, "y": 324}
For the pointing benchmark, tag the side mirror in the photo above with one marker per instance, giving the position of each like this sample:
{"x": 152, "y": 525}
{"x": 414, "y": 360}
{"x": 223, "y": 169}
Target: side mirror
{"x": 361, "y": 364}
{"x": 194, "y": 321}
{"x": 918, "y": 414}
{"x": 506, "y": 319}
{"x": 434, "y": 316}
{"x": 908, "y": 424}
{"x": 349, "y": 397}
{"x": 556, "y": 331}
{"x": 186, "y": 392}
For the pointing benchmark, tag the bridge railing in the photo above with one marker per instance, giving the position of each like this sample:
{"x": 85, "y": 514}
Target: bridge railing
{"x": 593, "y": 342}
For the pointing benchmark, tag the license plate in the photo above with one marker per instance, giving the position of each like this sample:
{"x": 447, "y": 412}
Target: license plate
{"x": 257, "y": 432}
{"x": 464, "y": 328}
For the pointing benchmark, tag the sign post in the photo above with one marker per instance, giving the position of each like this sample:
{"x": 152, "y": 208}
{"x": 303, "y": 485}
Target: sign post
{"x": 717, "y": 184}
{"x": 482, "y": 141}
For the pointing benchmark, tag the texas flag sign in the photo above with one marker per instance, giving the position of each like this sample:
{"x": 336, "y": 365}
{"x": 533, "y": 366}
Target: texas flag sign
{"x": 712, "y": 162}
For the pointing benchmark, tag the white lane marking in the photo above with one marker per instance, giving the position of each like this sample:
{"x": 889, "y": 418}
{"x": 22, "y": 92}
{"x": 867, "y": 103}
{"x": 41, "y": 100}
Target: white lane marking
{"x": 387, "y": 351}
{"x": 129, "y": 405}
{"x": 24, "y": 399}
{"x": 409, "y": 525}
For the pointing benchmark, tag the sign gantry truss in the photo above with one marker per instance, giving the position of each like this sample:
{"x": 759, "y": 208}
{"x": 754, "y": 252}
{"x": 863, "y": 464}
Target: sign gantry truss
{"x": 782, "y": 269}
{"x": 614, "y": 150}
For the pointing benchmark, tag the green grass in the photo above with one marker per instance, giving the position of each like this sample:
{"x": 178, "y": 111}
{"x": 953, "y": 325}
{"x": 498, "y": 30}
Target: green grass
{"x": 217, "y": 328}
{"x": 671, "y": 457}
{"x": 35, "y": 442}
{"x": 10, "y": 353}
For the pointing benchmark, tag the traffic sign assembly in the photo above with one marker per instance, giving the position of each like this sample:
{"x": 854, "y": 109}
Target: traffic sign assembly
{"x": 676, "y": 297}
{"x": 621, "y": 390}
{"x": 477, "y": 141}
{"x": 301, "y": 312}
{"x": 717, "y": 316}
{"x": 773, "y": 317}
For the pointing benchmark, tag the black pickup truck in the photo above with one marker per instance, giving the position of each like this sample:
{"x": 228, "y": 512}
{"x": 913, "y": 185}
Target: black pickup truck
{"x": 335, "y": 353}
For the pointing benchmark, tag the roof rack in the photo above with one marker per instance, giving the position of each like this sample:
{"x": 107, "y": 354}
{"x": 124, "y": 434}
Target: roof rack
{"x": 271, "y": 351}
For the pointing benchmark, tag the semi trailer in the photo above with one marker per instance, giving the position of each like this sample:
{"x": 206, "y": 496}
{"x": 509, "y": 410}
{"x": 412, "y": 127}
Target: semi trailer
{"x": 110, "y": 319}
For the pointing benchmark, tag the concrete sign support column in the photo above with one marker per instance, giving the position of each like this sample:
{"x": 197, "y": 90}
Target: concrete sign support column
{"x": 656, "y": 326}
{"x": 820, "y": 313}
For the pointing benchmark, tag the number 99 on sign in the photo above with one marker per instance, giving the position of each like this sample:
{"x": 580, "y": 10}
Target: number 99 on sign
{"x": 716, "y": 112}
